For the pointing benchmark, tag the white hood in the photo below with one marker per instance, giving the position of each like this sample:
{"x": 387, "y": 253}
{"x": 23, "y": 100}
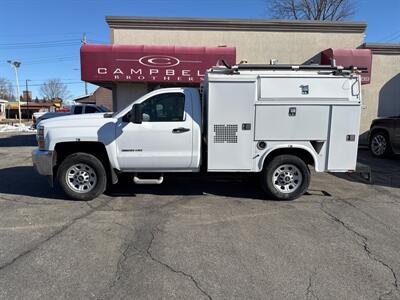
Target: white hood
{"x": 82, "y": 120}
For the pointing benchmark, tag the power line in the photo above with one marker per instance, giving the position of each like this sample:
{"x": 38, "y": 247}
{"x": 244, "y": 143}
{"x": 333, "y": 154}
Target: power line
{"x": 65, "y": 44}
{"x": 394, "y": 38}
{"x": 66, "y": 83}
{"x": 397, "y": 32}
{"x": 39, "y": 43}
{"x": 48, "y": 61}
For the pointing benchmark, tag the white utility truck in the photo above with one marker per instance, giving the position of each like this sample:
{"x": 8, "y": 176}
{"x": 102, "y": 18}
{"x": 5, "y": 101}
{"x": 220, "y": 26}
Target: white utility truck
{"x": 275, "y": 120}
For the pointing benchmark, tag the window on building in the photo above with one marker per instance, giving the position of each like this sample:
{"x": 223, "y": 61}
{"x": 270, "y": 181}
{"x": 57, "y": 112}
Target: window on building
{"x": 164, "y": 108}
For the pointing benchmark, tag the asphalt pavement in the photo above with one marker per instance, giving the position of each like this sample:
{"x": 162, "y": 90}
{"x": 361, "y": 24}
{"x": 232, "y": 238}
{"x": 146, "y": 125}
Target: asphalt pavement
{"x": 197, "y": 237}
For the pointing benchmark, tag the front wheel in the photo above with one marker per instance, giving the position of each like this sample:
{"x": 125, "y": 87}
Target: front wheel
{"x": 285, "y": 177}
{"x": 82, "y": 176}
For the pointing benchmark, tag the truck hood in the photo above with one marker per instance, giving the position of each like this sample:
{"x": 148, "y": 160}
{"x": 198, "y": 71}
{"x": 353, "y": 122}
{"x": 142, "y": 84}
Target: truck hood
{"x": 83, "y": 120}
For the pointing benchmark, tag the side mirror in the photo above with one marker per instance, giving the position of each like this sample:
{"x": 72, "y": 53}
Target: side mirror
{"x": 136, "y": 114}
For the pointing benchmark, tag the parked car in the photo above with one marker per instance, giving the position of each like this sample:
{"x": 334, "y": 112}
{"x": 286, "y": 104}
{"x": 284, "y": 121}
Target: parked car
{"x": 74, "y": 110}
{"x": 384, "y": 137}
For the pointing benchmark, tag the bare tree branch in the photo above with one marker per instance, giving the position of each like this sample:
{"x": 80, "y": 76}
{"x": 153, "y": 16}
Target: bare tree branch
{"x": 54, "y": 89}
{"x": 6, "y": 89}
{"x": 330, "y": 10}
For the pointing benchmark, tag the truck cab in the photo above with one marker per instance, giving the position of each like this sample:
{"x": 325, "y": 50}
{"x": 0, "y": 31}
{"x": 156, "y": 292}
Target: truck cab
{"x": 159, "y": 132}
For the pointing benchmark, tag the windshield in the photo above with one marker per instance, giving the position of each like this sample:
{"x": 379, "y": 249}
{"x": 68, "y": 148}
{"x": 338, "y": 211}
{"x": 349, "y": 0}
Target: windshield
{"x": 102, "y": 108}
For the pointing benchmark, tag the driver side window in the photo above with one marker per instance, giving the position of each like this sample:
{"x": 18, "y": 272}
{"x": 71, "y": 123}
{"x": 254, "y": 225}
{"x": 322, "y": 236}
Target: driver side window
{"x": 169, "y": 107}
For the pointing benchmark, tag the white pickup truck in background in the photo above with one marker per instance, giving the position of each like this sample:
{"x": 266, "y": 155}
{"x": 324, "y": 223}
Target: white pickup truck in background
{"x": 73, "y": 110}
{"x": 274, "y": 120}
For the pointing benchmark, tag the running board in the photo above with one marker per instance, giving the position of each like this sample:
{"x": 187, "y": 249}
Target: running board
{"x": 138, "y": 180}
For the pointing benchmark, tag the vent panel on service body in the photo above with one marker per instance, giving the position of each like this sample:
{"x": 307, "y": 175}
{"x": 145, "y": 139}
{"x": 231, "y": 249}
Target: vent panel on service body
{"x": 225, "y": 133}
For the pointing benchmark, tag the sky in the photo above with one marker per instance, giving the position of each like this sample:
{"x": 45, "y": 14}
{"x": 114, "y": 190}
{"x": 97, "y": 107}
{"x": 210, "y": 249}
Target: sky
{"x": 45, "y": 35}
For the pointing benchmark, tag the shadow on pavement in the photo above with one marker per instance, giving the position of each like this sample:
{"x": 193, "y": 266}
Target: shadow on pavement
{"x": 20, "y": 140}
{"x": 385, "y": 171}
{"x": 24, "y": 181}
{"x": 192, "y": 185}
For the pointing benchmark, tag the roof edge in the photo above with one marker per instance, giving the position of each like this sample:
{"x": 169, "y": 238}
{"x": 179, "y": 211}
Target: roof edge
{"x": 379, "y": 48}
{"x": 168, "y": 23}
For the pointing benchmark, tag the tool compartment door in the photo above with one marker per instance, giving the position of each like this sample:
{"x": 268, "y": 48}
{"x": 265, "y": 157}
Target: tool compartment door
{"x": 343, "y": 142}
{"x": 230, "y": 125}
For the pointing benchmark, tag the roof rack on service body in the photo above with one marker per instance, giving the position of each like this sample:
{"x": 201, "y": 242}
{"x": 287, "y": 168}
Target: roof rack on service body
{"x": 311, "y": 67}
{"x": 295, "y": 67}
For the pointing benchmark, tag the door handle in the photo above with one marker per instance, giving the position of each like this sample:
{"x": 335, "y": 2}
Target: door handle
{"x": 180, "y": 130}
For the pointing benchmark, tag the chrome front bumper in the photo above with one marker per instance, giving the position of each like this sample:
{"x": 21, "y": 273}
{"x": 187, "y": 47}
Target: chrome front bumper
{"x": 43, "y": 162}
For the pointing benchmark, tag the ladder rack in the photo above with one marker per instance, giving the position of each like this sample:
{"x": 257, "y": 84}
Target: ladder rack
{"x": 312, "y": 67}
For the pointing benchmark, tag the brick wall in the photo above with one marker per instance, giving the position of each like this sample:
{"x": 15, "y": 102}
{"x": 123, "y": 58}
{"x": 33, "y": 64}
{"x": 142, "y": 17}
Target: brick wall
{"x": 103, "y": 96}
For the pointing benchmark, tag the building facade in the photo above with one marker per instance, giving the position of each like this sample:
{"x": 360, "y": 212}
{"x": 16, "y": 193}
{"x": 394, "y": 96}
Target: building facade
{"x": 101, "y": 97}
{"x": 259, "y": 41}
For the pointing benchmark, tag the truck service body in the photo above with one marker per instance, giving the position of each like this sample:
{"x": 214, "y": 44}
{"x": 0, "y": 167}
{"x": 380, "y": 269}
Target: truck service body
{"x": 271, "y": 120}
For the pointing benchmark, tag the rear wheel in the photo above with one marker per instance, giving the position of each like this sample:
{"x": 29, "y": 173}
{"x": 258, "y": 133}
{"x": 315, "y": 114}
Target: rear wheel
{"x": 285, "y": 177}
{"x": 379, "y": 144}
{"x": 82, "y": 176}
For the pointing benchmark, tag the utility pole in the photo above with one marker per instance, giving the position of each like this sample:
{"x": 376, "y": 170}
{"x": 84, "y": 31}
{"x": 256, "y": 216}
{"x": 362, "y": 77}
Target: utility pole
{"x": 15, "y": 65}
{"x": 27, "y": 97}
{"x": 84, "y": 41}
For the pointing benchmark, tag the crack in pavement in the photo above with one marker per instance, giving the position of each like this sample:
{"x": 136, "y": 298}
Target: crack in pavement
{"x": 172, "y": 269}
{"x": 367, "y": 214}
{"x": 51, "y": 236}
{"x": 309, "y": 290}
{"x": 146, "y": 251}
{"x": 365, "y": 246}
{"x": 120, "y": 262}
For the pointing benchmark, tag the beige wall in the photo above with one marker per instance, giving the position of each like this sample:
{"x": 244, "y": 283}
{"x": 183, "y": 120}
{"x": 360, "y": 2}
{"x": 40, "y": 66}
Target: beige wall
{"x": 253, "y": 46}
{"x": 382, "y": 95}
{"x": 126, "y": 93}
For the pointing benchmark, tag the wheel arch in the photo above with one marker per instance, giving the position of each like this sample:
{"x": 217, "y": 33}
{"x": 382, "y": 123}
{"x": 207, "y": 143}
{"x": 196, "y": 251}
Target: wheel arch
{"x": 97, "y": 149}
{"x": 378, "y": 129}
{"x": 300, "y": 151}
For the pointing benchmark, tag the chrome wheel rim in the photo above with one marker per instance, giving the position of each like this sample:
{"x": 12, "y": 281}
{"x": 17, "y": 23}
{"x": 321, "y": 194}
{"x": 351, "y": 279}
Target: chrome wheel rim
{"x": 81, "y": 178}
{"x": 378, "y": 145}
{"x": 287, "y": 178}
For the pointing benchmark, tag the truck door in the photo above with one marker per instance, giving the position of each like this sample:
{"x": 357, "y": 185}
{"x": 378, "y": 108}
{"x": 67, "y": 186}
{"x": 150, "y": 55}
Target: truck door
{"x": 163, "y": 141}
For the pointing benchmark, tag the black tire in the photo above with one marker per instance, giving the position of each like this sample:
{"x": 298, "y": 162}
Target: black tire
{"x": 297, "y": 170}
{"x": 89, "y": 164}
{"x": 384, "y": 149}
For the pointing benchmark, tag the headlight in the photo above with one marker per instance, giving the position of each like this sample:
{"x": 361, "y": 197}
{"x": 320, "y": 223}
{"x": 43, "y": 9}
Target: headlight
{"x": 40, "y": 138}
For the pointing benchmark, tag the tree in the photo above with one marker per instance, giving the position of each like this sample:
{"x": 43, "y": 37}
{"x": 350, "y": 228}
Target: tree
{"x": 323, "y": 10}
{"x": 54, "y": 89}
{"x": 6, "y": 89}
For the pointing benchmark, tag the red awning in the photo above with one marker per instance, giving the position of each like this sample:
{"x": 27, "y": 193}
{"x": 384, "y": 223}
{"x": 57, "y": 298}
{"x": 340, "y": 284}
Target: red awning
{"x": 360, "y": 58}
{"x": 141, "y": 63}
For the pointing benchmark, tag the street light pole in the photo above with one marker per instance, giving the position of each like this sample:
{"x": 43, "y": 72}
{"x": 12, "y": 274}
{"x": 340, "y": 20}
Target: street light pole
{"x": 15, "y": 65}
